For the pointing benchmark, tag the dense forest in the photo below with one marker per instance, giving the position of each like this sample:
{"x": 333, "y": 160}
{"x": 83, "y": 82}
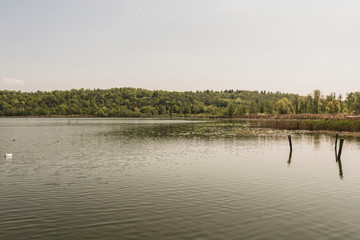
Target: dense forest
{"x": 136, "y": 102}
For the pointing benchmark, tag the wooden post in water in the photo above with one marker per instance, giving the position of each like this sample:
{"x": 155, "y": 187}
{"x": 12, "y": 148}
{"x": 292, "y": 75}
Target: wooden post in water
{"x": 289, "y": 137}
{"x": 337, "y": 135}
{"x": 340, "y": 148}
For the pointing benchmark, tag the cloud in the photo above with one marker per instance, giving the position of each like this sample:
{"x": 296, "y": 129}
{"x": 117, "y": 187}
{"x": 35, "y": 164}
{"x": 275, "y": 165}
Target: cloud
{"x": 11, "y": 83}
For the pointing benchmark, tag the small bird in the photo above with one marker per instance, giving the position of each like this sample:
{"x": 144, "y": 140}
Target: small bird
{"x": 8, "y": 155}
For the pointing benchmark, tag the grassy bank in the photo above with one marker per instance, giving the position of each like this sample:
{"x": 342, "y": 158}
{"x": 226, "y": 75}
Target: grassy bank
{"x": 311, "y": 125}
{"x": 303, "y": 116}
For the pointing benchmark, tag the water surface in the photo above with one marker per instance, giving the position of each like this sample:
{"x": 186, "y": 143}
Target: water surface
{"x": 171, "y": 179}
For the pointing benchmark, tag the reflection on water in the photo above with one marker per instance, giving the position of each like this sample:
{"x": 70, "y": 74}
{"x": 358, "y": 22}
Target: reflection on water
{"x": 289, "y": 159}
{"x": 165, "y": 179}
{"x": 338, "y": 156}
{"x": 341, "y": 174}
{"x": 191, "y": 129}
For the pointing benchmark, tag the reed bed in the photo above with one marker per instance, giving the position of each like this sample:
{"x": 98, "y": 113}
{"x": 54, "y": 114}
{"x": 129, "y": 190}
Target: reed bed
{"x": 337, "y": 116}
{"x": 311, "y": 125}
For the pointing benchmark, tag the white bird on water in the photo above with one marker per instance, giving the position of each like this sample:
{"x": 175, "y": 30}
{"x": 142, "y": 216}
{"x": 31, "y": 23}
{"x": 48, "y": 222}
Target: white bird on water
{"x": 8, "y": 155}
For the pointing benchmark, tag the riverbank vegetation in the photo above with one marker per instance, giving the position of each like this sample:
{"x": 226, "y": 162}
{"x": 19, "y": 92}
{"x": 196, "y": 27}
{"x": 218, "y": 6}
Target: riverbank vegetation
{"x": 311, "y": 125}
{"x": 136, "y": 102}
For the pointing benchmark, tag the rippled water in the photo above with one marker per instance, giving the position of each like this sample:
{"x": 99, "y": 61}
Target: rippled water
{"x": 171, "y": 179}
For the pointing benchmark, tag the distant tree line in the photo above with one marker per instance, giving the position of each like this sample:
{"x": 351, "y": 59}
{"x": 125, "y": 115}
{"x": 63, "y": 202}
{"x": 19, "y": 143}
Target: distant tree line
{"x": 137, "y": 102}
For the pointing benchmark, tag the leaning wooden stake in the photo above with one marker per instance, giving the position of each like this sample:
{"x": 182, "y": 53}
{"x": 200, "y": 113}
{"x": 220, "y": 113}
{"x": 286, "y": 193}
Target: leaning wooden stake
{"x": 340, "y": 148}
{"x": 289, "y": 137}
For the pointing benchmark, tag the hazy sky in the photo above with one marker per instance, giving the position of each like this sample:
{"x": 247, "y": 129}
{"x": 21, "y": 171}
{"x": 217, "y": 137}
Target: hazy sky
{"x": 274, "y": 45}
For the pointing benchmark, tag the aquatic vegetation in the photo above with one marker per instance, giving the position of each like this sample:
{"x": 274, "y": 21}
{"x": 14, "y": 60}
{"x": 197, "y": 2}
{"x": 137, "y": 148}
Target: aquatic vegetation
{"x": 311, "y": 125}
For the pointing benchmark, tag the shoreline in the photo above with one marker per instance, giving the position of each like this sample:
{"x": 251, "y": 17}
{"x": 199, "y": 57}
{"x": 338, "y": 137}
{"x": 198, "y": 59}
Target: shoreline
{"x": 305, "y": 116}
{"x": 344, "y": 124}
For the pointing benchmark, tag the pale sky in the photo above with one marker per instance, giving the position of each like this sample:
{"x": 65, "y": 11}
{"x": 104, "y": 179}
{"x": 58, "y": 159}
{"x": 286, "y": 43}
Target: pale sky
{"x": 183, "y": 45}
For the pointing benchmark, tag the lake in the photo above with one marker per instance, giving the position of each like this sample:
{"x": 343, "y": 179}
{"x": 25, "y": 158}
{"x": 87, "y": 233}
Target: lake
{"x": 174, "y": 179}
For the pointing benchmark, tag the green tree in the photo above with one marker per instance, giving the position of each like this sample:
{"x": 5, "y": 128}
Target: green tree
{"x": 357, "y": 103}
{"x": 316, "y": 101}
{"x": 284, "y": 106}
{"x": 230, "y": 110}
{"x": 296, "y": 102}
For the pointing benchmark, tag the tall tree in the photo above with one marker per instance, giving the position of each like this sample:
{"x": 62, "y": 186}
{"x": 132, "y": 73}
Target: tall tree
{"x": 317, "y": 101}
